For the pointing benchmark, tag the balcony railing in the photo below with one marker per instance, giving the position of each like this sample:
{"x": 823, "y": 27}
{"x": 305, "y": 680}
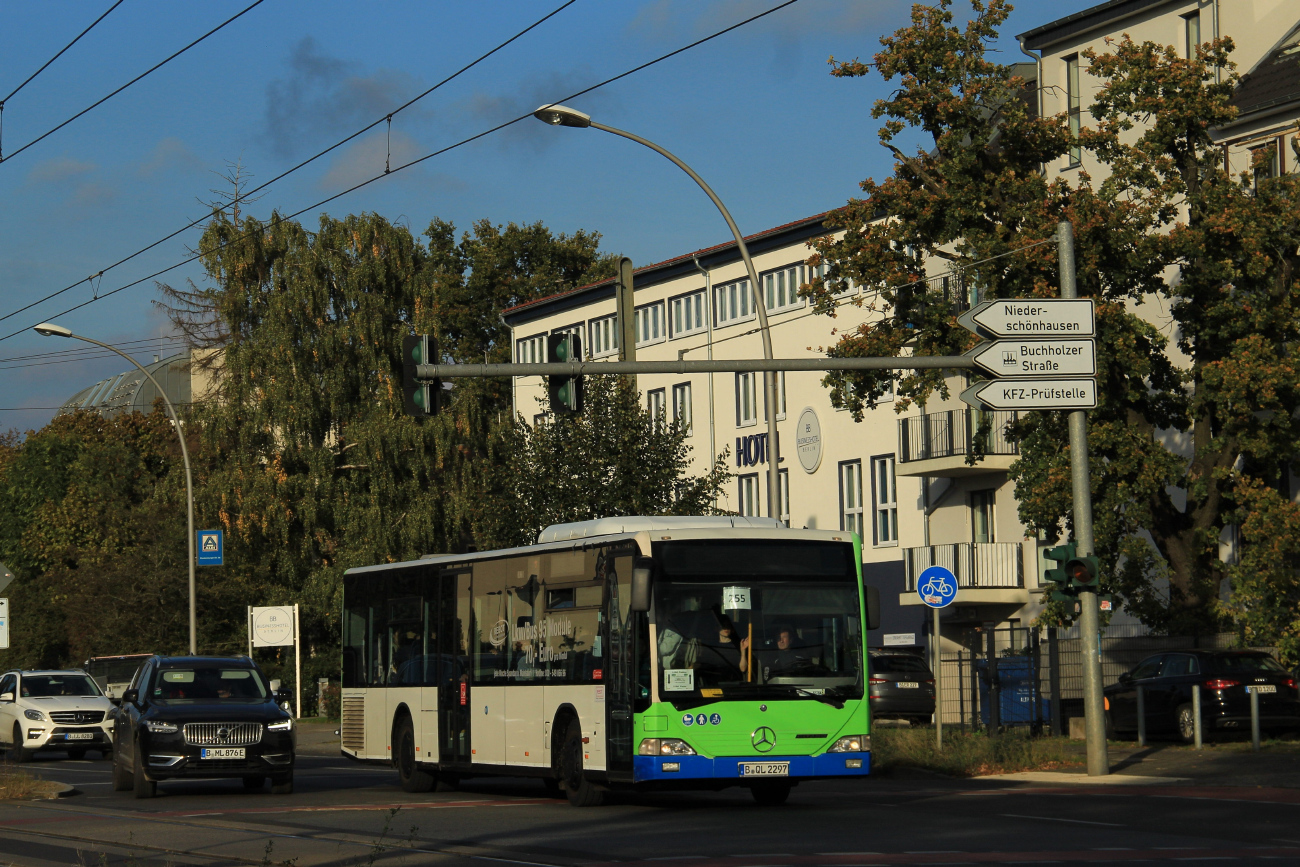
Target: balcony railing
{"x": 991, "y": 565}
{"x": 951, "y": 433}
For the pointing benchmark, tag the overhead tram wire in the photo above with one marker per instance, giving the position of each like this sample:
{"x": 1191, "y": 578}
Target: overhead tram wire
{"x": 419, "y": 160}
{"x": 138, "y": 344}
{"x": 148, "y": 71}
{"x": 300, "y": 165}
{"x": 29, "y": 78}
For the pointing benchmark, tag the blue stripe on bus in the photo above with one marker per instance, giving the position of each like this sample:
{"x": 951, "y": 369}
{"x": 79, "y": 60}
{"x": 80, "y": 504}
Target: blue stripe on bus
{"x": 646, "y": 768}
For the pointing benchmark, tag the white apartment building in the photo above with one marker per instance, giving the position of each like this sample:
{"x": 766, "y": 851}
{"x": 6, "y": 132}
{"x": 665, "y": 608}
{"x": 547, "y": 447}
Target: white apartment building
{"x": 901, "y": 481}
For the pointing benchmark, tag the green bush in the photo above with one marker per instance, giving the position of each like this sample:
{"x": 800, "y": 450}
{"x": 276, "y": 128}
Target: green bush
{"x": 968, "y": 754}
{"x": 333, "y": 700}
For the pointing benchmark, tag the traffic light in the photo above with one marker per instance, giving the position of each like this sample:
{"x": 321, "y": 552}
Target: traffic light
{"x": 565, "y": 390}
{"x": 1059, "y": 576}
{"x": 419, "y": 398}
{"x": 1085, "y": 574}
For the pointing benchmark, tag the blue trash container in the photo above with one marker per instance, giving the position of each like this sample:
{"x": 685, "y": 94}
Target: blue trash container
{"x": 1018, "y": 691}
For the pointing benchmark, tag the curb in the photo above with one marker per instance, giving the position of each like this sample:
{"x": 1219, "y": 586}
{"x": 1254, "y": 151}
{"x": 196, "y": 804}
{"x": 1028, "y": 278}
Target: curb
{"x": 1066, "y": 778}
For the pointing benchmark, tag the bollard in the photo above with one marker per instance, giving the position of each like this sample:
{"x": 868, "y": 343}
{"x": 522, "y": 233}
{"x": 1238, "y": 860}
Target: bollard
{"x": 1254, "y": 718}
{"x": 1196, "y": 714}
{"x": 1142, "y": 717}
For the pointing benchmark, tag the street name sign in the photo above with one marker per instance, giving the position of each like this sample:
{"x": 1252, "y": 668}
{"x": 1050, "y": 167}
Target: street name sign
{"x": 1022, "y": 358}
{"x": 1026, "y": 394}
{"x": 1031, "y": 317}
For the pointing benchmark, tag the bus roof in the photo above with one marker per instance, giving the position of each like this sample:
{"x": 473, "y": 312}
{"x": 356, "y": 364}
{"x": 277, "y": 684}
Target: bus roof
{"x": 576, "y": 535}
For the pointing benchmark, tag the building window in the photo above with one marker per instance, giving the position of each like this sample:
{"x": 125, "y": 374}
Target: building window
{"x": 655, "y": 403}
{"x": 847, "y": 286}
{"x": 732, "y": 302}
{"x": 1264, "y": 158}
{"x": 748, "y": 494}
{"x": 981, "y": 516}
{"x": 780, "y": 394}
{"x": 851, "y": 496}
{"x": 1073, "y": 106}
{"x": 651, "y": 326}
{"x": 783, "y": 490}
{"x": 603, "y": 338}
{"x": 682, "y": 411}
{"x": 781, "y": 288}
{"x": 576, "y": 331}
{"x": 687, "y": 314}
{"x": 1192, "y": 33}
{"x": 884, "y": 496}
{"x": 531, "y": 350}
{"x": 746, "y": 399}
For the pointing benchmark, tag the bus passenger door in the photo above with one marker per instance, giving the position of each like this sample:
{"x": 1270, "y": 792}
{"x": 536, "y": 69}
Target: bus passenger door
{"x": 453, "y": 657}
{"x": 621, "y": 676}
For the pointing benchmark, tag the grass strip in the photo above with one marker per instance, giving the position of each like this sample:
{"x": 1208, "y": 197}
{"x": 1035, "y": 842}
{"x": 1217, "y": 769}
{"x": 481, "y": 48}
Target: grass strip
{"x": 970, "y": 754}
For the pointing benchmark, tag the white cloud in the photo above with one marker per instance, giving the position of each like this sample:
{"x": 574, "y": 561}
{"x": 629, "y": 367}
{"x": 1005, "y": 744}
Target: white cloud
{"x": 168, "y": 155}
{"x": 366, "y": 158}
{"x": 58, "y": 170}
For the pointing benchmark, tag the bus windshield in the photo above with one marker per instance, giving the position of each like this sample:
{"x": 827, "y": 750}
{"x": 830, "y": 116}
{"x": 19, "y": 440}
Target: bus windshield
{"x": 758, "y": 619}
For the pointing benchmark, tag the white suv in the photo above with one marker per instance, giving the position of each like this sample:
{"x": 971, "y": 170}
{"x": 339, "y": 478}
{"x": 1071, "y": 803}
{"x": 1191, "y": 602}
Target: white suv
{"x": 53, "y": 710}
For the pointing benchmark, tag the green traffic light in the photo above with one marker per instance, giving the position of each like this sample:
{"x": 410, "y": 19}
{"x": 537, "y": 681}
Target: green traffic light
{"x": 562, "y": 350}
{"x": 417, "y": 353}
{"x": 417, "y": 397}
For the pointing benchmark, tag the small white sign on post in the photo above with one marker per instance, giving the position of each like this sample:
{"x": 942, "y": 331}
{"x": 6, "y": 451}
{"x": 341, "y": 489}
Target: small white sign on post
{"x": 900, "y": 639}
{"x": 4, "y": 624}
{"x": 277, "y": 626}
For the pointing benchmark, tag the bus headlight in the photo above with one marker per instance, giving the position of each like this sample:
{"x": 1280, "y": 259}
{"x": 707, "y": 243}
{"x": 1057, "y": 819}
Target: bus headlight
{"x": 665, "y": 747}
{"x": 852, "y": 744}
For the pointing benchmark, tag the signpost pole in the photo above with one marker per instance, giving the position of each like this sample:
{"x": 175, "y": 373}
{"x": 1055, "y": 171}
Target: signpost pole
{"x": 1080, "y": 476}
{"x": 250, "y": 632}
{"x": 938, "y": 679}
{"x": 297, "y": 663}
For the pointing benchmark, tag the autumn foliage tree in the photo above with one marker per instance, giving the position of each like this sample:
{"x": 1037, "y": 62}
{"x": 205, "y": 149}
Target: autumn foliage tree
{"x": 1191, "y": 427}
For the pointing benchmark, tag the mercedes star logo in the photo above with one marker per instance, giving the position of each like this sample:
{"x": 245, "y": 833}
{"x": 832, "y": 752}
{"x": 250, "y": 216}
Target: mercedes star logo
{"x": 763, "y": 739}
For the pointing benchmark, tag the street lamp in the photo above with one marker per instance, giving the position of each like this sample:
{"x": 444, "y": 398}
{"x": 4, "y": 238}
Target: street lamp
{"x": 559, "y": 115}
{"x": 49, "y": 329}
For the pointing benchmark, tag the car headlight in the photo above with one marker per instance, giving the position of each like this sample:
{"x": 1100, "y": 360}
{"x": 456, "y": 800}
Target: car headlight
{"x": 34, "y": 715}
{"x": 160, "y": 728}
{"x": 852, "y": 744}
{"x": 284, "y": 725}
{"x": 665, "y": 747}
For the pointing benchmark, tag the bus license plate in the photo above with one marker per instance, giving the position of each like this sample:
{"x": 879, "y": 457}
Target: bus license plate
{"x": 80, "y": 736}
{"x": 222, "y": 753}
{"x": 908, "y": 684}
{"x": 1264, "y": 687}
{"x": 765, "y": 769}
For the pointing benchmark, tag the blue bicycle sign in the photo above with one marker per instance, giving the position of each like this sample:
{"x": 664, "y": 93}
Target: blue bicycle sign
{"x": 937, "y": 587}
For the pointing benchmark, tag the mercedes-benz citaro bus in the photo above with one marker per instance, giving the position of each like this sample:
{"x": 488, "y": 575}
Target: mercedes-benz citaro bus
{"x": 617, "y": 654}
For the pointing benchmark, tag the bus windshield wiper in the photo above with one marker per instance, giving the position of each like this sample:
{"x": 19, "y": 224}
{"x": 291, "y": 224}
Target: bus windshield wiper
{"x": 808, "y": 690}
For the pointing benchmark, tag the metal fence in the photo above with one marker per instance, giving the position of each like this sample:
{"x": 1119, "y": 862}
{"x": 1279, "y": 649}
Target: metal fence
{"x": 951, "y": 432}
{"x": 976, "y": 564}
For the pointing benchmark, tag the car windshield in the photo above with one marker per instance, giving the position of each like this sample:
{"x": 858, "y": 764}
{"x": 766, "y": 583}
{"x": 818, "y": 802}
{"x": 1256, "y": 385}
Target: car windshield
{"x": 756, "y": 618}
{"x": 209, "y": 684}
{"x": 1248, "y": 662}
{"x": 50, "y": 685}
{"x": 899, "y": 665}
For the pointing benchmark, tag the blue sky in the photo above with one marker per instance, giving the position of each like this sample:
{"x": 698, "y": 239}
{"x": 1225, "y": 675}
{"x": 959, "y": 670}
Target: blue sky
{"x": 755, "y": 112}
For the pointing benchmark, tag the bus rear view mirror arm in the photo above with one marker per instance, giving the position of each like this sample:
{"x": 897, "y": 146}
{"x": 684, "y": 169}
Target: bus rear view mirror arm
{"x": 642, "y": 570}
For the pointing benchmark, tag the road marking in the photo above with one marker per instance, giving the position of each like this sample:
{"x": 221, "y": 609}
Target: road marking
{"x": 1054, "y": 819}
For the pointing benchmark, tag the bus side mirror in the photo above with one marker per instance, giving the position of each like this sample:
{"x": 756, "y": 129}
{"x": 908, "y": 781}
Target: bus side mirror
{"x": 642, "y": 569}
{"x": 873, "y": 606}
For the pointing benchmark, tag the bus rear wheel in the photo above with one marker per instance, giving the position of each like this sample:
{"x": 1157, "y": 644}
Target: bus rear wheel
{"x": 581, "y": 791}
{"x": 770, "y": 794}
{"x": 412, "y": 777}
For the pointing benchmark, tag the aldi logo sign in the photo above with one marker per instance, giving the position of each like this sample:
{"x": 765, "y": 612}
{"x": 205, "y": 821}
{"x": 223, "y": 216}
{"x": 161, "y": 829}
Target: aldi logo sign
{"x": 210, "y": 548}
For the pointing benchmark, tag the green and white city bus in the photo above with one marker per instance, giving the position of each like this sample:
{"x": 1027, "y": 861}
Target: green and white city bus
{"x": 622, "y": 653}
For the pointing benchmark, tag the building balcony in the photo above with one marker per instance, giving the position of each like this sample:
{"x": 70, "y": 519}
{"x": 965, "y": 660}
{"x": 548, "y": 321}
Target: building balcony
{"x": 937, "y": 443}
{"x": 992, "y": 572}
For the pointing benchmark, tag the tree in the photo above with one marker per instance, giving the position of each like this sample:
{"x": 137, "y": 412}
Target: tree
{"x": 612, "y": 459}
{"x": 1184, "y": 427}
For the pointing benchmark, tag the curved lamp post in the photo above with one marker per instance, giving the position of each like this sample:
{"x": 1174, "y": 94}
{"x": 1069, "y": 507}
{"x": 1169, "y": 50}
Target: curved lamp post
{"x": 559, "y": 115}
{"x": 49, "y": 329}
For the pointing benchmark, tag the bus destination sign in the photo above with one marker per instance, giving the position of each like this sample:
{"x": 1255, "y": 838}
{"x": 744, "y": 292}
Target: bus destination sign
{"x": 1031, "y": 317}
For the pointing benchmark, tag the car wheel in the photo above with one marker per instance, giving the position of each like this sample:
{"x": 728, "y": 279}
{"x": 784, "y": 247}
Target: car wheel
{"x": 581, "y": 791}
{"x": 254, "y": 783}
{"x": 17, "y": 752}
{"x": 1185, "y": 722}
{"x": 282, "y": 785}
{"x": 143, "y": 786}
{"x": 412, "y": 777}
{"x": 121, "y": 776}
{"x": 770, "y": 794}
{"x": 76, "y": 754}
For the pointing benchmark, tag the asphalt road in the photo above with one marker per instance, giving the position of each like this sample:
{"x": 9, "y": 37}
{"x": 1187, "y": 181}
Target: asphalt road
{"x": 348, "y": 814}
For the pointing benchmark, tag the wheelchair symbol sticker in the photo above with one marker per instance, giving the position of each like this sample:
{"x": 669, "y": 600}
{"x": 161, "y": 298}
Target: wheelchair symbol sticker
{"x": 937, "y": 587}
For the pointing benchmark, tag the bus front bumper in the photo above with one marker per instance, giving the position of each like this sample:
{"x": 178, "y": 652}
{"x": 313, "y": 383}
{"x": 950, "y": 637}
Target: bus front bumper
{"x": 660, "y": 768}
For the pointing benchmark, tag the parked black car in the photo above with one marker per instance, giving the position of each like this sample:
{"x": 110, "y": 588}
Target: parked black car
{"x": 1225, "y": 677}
{"x": 901, "y": 686}
{"x": 188, "y": 717}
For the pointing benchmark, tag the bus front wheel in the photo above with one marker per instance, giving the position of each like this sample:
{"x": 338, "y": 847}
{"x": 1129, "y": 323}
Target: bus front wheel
{"x": 771, "y": 794}
{"x": 412, "y": 777}
{"x": 581, "y": 791}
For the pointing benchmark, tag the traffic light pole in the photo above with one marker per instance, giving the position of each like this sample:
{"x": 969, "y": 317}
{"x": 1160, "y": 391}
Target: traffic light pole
{"x": 1080, "y": 477}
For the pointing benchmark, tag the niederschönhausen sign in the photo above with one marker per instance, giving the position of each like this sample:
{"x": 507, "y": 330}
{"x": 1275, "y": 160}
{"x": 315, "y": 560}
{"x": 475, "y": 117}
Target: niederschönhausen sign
{"x": 1025, "y": 394}
{"x": 1021, "y": 358}
{"x": 1031, "y": 317}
